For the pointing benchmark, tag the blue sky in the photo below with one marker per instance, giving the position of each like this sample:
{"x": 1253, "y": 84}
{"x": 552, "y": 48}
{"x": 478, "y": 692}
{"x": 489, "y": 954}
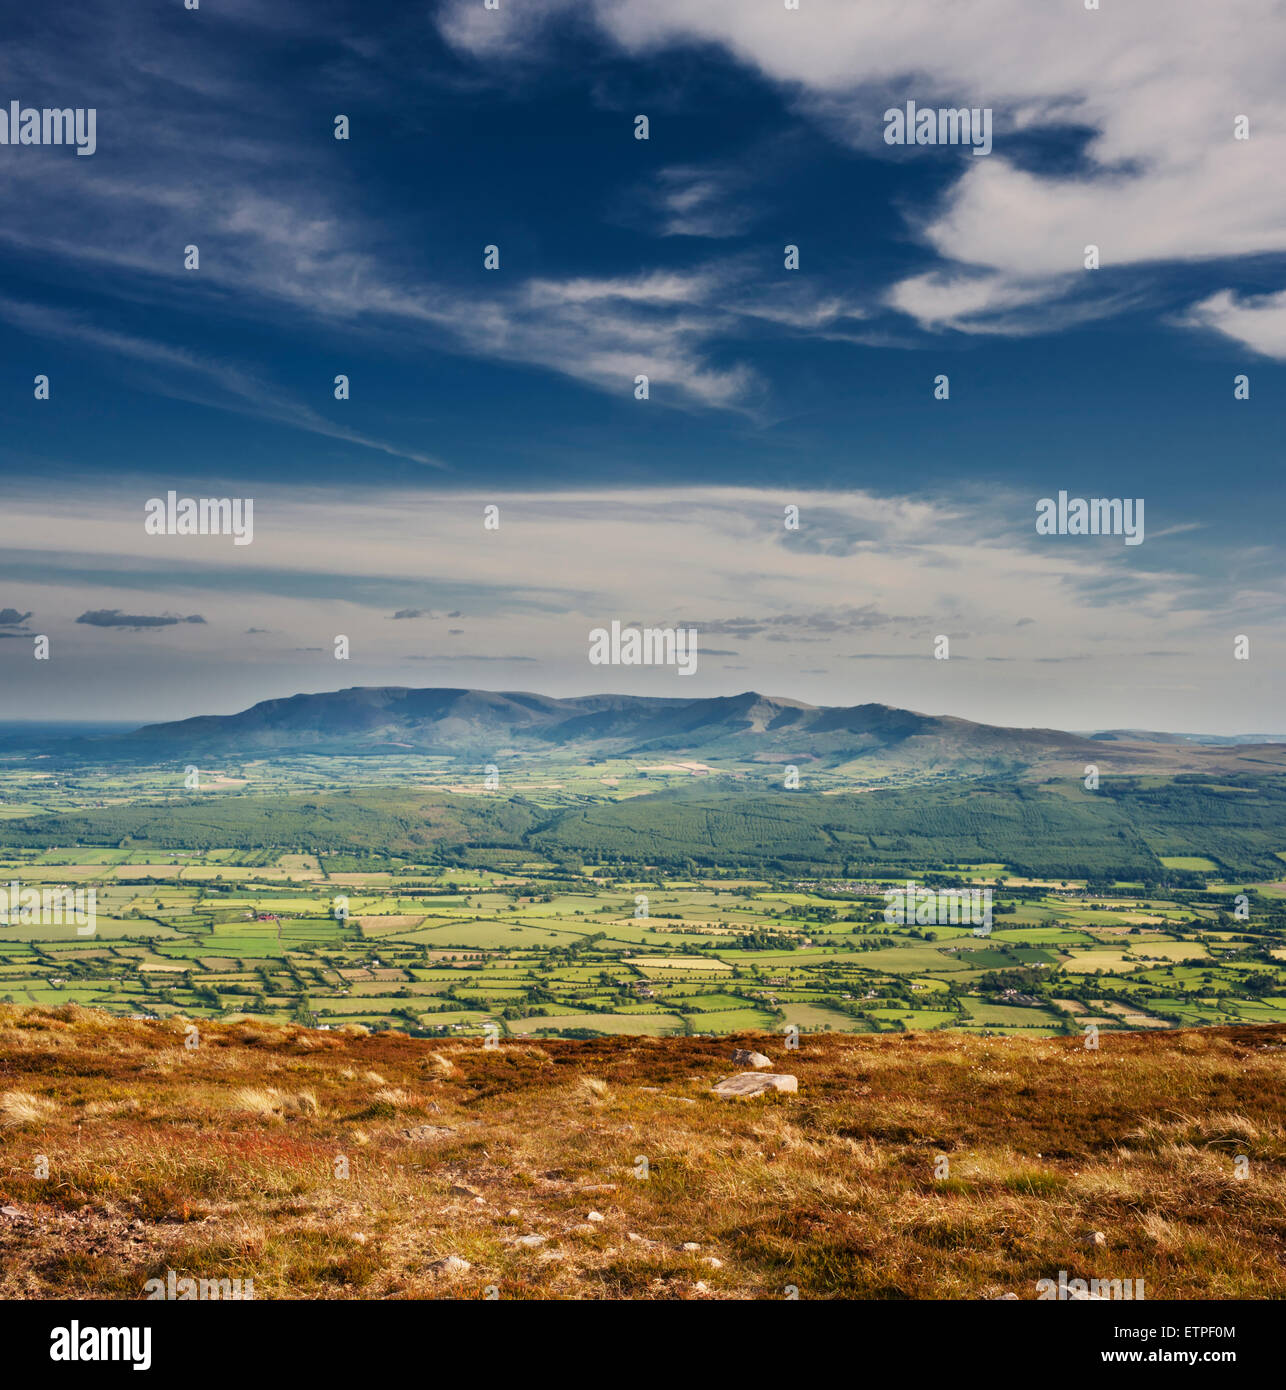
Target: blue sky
{"x": 620, "y": 256}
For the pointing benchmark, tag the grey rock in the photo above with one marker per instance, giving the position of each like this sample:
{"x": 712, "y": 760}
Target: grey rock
{"x": 755, "y": 1083}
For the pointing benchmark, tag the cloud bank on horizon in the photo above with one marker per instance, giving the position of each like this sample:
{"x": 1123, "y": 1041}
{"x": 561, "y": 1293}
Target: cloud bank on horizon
{"x": 844, "y": 609}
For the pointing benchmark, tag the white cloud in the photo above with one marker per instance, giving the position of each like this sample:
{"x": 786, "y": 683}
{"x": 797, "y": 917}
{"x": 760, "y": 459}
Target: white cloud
{"x": 866, "y": 576}
{"x": 1157, "y": 82}
{"x": 701, "y": 202}
{"x": 1259, "y": 322}
{"x": 948, "y": 299}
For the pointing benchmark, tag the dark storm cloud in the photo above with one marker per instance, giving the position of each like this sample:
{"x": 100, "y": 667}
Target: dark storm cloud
{"x": 113, "y": 617}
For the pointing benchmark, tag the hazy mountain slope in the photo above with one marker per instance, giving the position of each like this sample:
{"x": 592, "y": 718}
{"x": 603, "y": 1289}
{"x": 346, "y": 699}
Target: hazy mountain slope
{"x": 745, "y": 728}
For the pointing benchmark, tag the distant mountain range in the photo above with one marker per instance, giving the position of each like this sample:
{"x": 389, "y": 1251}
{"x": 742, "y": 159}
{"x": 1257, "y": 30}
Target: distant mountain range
{"x": 747, "y": 728}
{"x": 1211, "y": 740}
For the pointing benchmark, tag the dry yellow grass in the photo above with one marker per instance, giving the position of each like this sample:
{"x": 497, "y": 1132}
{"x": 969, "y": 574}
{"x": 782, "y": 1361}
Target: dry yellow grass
{"x": 329, "y": 1166}
{"x": 22, "y": 1108}
{"x": 270, "y": 1103}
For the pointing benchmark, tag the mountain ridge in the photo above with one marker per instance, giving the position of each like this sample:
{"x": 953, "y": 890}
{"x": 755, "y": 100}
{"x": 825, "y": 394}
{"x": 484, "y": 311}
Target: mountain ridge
{"x": 749, "y": 727}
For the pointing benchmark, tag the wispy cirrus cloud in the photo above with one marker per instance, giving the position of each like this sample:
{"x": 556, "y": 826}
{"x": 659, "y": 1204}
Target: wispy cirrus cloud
{"x": 1150, "y": 90}
{"x": 702, "y": 201}
{"x": 180, "y": 372}
{"x": 1256, "y": 321}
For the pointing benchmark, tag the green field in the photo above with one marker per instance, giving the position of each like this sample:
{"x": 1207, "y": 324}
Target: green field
{"x": 543, "y": 951}
{"x": 650, "y": 905}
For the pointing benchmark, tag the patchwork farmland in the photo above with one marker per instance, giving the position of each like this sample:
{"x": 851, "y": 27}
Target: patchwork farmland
{"x": 535, "y": 950}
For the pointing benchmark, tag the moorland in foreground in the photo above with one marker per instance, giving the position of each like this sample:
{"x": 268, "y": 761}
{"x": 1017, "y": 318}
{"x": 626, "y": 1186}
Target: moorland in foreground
{"x": 355, "y": 1165}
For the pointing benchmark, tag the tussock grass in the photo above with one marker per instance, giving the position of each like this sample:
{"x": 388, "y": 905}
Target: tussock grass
{"x": 396, "y": 1097}
{"x": 346, "y": 1165}
{"x": 270, "y": 1103}
{"x": 22, "y": 1108}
